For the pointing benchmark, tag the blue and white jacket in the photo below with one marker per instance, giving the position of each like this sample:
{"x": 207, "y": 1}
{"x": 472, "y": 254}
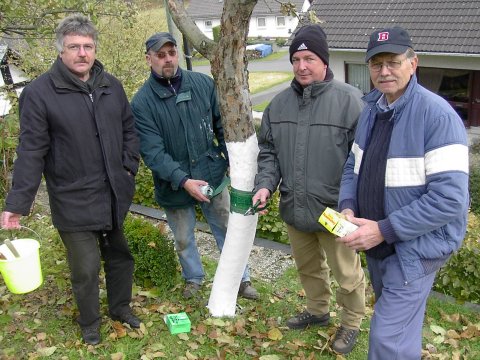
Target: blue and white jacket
{"x": 426, "y": 179}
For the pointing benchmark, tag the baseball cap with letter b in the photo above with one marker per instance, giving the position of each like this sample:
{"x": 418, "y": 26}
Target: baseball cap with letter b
{"x": 394, "y": 40}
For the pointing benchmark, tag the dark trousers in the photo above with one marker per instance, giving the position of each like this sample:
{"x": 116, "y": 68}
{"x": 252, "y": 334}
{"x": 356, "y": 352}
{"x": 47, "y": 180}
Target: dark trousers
{"x": 84, "y": 262}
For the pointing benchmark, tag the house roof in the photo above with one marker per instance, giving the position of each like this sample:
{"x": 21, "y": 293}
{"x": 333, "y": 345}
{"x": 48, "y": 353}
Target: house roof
{"x": 212, "y": 9}
{"x": 438, "y": 26}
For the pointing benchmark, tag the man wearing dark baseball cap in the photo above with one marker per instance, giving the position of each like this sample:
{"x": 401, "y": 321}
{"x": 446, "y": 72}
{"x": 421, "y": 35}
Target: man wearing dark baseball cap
{"x": 157, "y": 40}
{"x": 405, "y": 184}
{"x": 182, "y": 142}
{"x": 395, "y": 40}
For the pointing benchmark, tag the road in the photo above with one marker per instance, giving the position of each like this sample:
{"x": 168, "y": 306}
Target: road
{"x": 281, "y": 64}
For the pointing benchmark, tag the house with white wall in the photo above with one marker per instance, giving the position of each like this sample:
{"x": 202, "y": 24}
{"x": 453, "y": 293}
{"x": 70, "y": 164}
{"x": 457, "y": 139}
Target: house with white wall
{"x": 12, "y": 79}
{"x": 267, "y": 20}
{"x": 445, "y": 35}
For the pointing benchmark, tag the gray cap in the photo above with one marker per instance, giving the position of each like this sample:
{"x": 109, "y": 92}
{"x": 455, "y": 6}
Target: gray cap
{"x": 157, "y": 40}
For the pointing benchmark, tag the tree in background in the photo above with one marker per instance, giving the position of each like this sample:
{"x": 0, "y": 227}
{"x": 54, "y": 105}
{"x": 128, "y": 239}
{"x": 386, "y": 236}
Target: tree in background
{"x": 28, "y": 28}
{"x": 228, "y": 61}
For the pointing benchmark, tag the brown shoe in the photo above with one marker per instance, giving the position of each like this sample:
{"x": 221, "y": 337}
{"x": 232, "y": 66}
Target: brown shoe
{"x": 191, "y": 289}
{"x": 345, "y": 339}
{"x": 247, "y": 291}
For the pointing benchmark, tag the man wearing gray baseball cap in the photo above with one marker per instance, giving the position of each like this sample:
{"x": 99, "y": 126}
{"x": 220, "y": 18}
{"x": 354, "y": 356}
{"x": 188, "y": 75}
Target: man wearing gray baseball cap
{"x": 405, "y": 184}
{"x": 157, "y": 40}
{"x": 182, "y": 142}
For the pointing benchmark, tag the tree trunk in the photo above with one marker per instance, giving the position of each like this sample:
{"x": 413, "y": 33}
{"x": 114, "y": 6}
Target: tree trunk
{"x": 229, "y": 69}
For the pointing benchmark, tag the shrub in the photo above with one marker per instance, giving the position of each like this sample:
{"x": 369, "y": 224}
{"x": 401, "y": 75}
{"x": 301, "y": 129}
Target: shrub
{"x": 144, "y": 189}
{"x": 460, "y": 277}
{"x": 281, "y": 42}
{"x": 155, "y": 257}
{"x": 8, "y": 142}
{"x": 475, "y": 190}
{"x": 271, "y": 226}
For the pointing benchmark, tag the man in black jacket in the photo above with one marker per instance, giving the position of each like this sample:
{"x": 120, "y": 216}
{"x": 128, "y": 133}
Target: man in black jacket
{"x": 76, "y": 127}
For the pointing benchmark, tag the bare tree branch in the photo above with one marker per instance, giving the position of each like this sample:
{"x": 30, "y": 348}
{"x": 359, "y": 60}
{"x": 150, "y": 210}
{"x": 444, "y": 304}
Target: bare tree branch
{"x": 187, "y": 26}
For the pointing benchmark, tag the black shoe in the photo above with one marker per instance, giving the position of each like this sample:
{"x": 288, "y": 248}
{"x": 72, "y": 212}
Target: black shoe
{"x": 128, "y": 318}
{"x": 91, "y": 334}
{"x": 301, "y": 321}
{"x": 344, "y": 340}
{"x": 247, "y": 291}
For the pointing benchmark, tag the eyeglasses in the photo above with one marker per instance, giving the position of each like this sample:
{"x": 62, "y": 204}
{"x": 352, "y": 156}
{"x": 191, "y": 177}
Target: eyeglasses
{"x": 162, "y": 55}
{"x": 88, "y": 48}
{"x": 390, "y": 65}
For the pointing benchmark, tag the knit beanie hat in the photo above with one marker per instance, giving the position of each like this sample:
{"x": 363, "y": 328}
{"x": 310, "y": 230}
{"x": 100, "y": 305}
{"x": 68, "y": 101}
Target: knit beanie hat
{"x": 313, "y": 38}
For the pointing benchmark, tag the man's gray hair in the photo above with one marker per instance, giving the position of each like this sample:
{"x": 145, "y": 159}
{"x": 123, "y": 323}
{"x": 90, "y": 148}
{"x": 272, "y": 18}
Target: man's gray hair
{"x": 76, "y": 24}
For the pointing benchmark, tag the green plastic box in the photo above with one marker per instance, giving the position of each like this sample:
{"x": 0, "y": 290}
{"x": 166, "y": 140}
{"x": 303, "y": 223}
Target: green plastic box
{"x": 177, "y": 323}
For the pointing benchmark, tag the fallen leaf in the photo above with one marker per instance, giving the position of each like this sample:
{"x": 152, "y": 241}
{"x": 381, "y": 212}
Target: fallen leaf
{"x": 119, "y": 329}
{"x": 452, "y": 342}
{"x": 438, "y": 339}
{"x": 292, "y": 346}
{"x": 183, "y": 336}
{"x": 470, "y": 332}
{"x": 216, "y": 322}
{"x": 225, "y": 339}
{"x": 158, "y": 354}
{"x": 41, "y": 336}
{"x": 193, "y": 346}
{"x": 431, "y": 348}
{"x": 452, "y": 334}
{"x": 437, "y": 329}
{"x": 213, "y": 334}
{"x": 200, "y": 329}
{"x": 190, "y": 356}
{"x": 250, "y": 352}
{"x": 47, "y": 351}
{"x": 275, "y": 334}
{"x": 456, "y": 355}
{"x": 269, "y": 357}
{"x": 117, "y": 356}
{"x": 133, "y": 335}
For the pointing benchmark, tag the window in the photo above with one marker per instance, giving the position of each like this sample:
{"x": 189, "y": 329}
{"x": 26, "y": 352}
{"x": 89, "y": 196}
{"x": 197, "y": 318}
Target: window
{"x": 451, "y": 84}
{"x": 208, "y": 24}
{"x": 358, "y": 75}
{"x": 280, "y": 21}
{"x": 261, "y": 22}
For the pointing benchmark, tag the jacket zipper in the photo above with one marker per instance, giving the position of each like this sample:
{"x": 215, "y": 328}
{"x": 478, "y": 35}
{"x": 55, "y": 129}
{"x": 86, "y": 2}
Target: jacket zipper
{"x": 171, "y": 87}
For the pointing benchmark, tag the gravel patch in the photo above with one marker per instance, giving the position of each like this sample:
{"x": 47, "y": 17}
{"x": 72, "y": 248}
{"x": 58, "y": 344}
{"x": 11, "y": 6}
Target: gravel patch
{"x": 264, "y": 263}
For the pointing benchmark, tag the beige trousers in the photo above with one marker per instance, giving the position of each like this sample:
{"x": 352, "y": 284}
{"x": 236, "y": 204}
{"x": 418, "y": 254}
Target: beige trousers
{"x": 315, "y": 255}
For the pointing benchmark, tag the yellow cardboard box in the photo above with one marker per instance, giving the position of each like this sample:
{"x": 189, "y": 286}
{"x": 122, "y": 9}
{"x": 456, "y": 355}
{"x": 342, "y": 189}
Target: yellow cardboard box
{"x": 336, "y": 223}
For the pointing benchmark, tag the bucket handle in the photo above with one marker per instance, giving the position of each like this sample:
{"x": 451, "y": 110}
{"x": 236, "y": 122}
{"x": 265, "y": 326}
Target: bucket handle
{"x": 21, "y": 227}
{"x": 12, "y": 248}
{"x": 9, "y": 244}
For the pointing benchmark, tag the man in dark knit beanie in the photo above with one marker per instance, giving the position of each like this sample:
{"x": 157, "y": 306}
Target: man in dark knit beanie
{"x": 306, "y": 134}
{"x": 313, "y": 38}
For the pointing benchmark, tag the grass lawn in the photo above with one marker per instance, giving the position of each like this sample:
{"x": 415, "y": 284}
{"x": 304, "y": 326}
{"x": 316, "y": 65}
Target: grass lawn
{"x": 272, "y": 56}
{"x": 42, "y": 323}
{"x": 261, "y": 80}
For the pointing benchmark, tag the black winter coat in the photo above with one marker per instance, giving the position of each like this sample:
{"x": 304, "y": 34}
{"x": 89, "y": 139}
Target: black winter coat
{"x": 84, "y": 144}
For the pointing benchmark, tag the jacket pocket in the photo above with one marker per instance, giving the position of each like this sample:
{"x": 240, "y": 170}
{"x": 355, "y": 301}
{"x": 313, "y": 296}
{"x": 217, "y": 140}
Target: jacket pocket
{"x": 217, "y": 166}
